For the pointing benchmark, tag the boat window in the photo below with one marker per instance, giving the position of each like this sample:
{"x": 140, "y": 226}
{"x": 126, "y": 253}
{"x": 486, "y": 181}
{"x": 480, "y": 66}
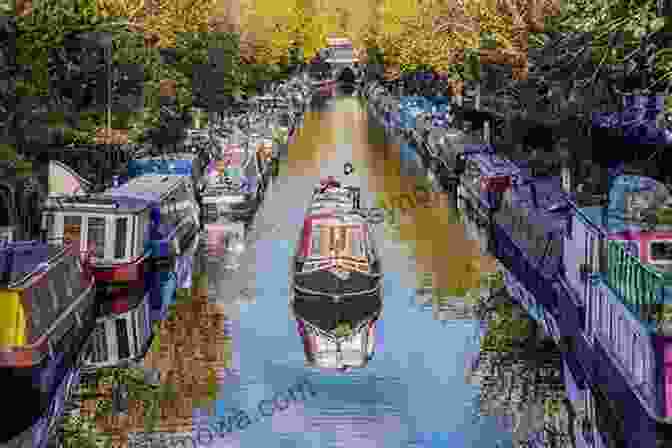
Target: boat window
{"x": 142, "y": 221}
{"x": 5, "y": 207}
{"x": 599, "y": 311}
{"x": 49, "y": 224}
{"x": 132, "y": 321}
{"x": 121, "y": 230}
{"x": 315, "y": 243}
{"x": 660, "y": 251}
{"x": 99, "y": 344}
{"x": 621, "y": 335}
{"x": 72, "y": 229}
{"x": 633, "y": 356}
{"x": 122, "y": 339}
{"x": 140, "y": 317}
{"x": 96, "y": 236}
{"x": 358, "y": 244}
{"x": 612, "y": 323}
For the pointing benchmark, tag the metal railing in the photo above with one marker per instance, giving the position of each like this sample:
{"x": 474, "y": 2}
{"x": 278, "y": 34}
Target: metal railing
{"x": 642, "y": 289}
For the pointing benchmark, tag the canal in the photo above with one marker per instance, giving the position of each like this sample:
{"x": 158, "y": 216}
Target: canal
{"x": 234, "y": 342}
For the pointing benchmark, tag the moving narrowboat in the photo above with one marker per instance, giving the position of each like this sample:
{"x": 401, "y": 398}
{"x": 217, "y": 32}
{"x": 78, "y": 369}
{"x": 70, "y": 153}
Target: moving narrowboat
{"x": 336, "y": 260}
{"x": 131, "y": 230}
{"x": 47, "y": 311}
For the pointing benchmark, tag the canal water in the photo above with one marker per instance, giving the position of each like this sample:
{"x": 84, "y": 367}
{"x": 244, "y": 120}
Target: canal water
{"x": 429, "y": 384}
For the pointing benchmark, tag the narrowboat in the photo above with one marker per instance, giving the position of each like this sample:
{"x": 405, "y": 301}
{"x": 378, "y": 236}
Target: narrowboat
{"x": 48, "y": 312}
{"x": 235, "y": 184}
{"x": 483, "y": 178}
{"x": 192, "y": 165}
{"x": 226, "y": 242}
{"x": 134, "y": 231}
{"x": 336, "y": 260}
{"x": 338, "y": 336}
{"x": 616, "y": 289}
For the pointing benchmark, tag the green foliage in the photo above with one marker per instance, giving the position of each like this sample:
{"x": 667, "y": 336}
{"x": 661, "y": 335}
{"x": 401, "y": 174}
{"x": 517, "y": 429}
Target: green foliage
{"x": 343, "y": 329}
{"x": 505, "y": 332}
{"x": 45, "y": 29}
{"x": 635, "y": 19}
{"x": 156, "y": 342}
{"x": 80, "y": 432}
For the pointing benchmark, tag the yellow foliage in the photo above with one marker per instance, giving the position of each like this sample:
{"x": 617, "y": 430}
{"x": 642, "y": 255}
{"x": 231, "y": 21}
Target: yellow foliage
{"x": 130, "y": 9}
{"x": 412, "y": 33}
{"x": 172, "y": 17}
{"x": 277, "y": 26}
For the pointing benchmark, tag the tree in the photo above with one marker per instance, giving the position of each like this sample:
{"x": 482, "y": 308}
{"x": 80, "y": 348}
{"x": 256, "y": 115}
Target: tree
{"x": 280, "y": 26}
{"x": 440, "y": 35}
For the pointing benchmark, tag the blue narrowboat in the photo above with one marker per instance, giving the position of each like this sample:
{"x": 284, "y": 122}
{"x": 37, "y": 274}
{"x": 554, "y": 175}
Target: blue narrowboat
{"x": 191, "y": 165}
{"x": 616, "y": 288}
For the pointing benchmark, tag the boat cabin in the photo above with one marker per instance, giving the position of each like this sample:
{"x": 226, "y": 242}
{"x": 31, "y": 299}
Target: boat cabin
{"x": 484, "y": 178}
{"x": 114, "y": 226}
{"x": 638, "y": 216}
{"x": 336, "y": 258}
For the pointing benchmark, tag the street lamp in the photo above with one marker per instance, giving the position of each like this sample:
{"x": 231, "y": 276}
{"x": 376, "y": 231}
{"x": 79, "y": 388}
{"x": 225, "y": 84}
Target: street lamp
{"x": 104, "y": 40}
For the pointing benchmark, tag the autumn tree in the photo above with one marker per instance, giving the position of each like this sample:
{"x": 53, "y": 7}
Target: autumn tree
{"x": 440, "y": 35}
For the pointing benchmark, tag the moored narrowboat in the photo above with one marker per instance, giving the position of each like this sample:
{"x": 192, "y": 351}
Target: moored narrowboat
{"x": 484, "y": 177}
{"x": 235, "y": 184}
{"x": 192, "y": 165}
{"x": 618, "y": 282}
{"x": 134, "y": 231}
{"x": 47, "y": 311}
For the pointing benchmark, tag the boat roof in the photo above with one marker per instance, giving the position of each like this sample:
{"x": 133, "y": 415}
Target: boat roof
{"x": 149, "y": 187}
{"x": 179, "y": 164}
{"x": 136, "y": 195}
{"x": 493, "y": 165}
{"x": 334, "y": 219}
{"x": 175, "y": 156}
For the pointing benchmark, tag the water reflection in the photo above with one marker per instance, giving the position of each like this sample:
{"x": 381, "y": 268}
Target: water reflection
{"x": 341, "y": 336}
{"x": 192, "y": 350}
